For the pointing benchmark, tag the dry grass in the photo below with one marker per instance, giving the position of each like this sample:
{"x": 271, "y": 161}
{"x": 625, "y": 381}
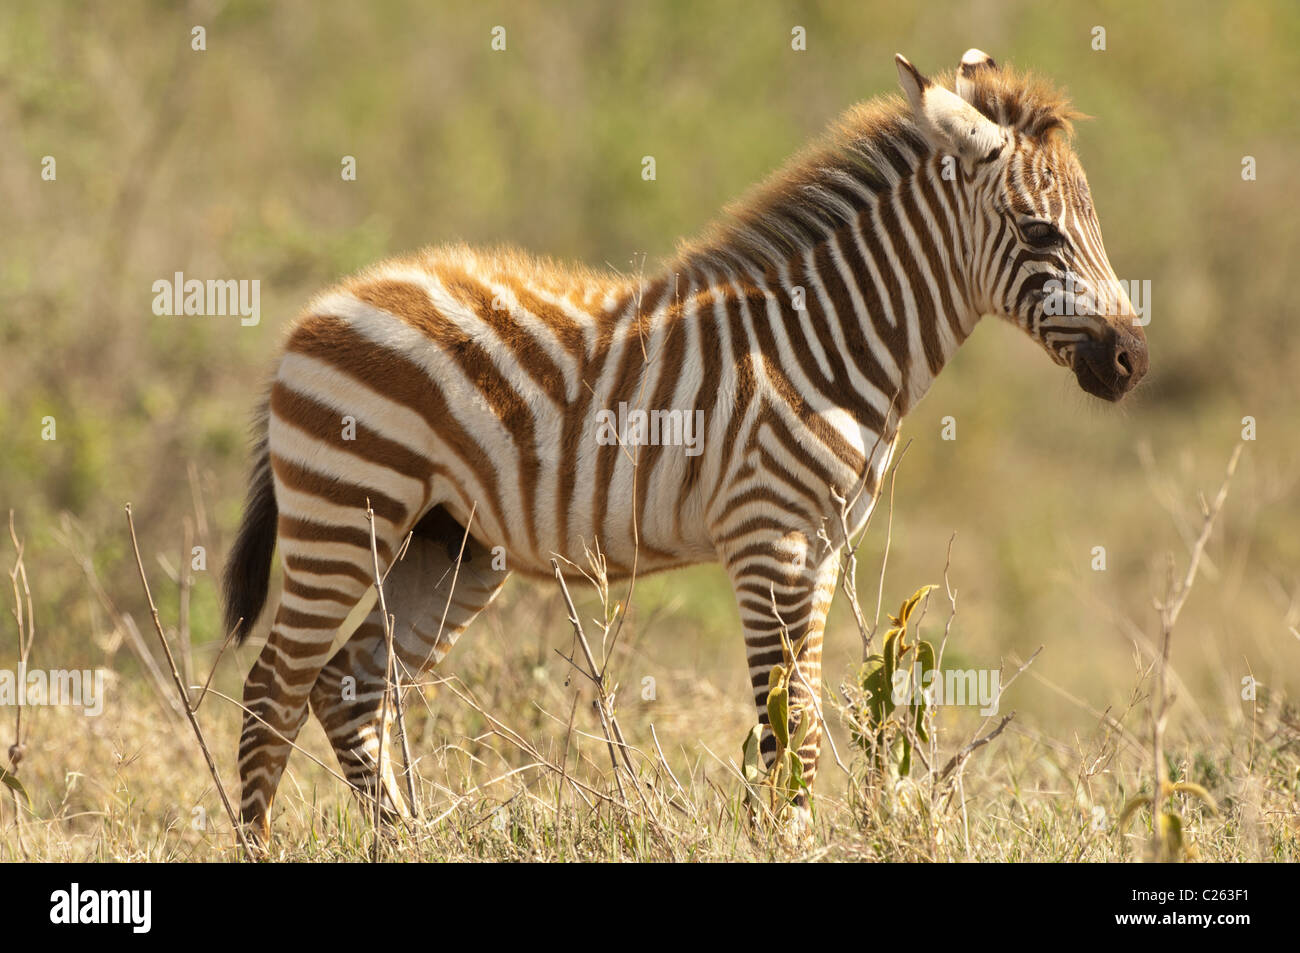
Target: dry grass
{"x": 530, "y": 752}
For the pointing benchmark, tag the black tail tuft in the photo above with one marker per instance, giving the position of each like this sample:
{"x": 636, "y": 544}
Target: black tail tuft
{"x": 248, "y": 567}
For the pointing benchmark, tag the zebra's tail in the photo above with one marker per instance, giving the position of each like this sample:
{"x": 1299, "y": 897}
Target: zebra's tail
{"x": 248, "y": 567}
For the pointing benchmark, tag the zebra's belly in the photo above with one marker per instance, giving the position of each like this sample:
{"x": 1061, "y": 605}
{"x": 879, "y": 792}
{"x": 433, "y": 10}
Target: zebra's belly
{"x": 621, "y": 559}
{"x": 662, "y": 531}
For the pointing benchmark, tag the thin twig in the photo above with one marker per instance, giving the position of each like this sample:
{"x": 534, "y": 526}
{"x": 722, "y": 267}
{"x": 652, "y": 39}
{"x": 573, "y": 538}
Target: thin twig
{"x": 1177, "y": 592}
{"x": 392, "y": 685}
{"x": 184, "y": 695}
{"x": 614, "y": 739}
{"x": 26, "y": 620}
{"x": 889, "y": 538}
{"x": 230, "y": 637}
{"x": 973, "y": 745}
{"x": 186, "y": 584}
{"x": 594, "y": 674}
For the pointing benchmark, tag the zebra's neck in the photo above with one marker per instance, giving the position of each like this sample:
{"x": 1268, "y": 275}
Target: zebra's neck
{"x": 869, "y": 311}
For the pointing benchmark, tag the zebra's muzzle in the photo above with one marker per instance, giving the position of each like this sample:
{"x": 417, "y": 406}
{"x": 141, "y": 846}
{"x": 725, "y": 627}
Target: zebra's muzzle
{"x": 1111, "y": 367}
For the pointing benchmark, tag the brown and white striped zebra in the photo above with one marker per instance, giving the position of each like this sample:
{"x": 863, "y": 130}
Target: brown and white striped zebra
{"x": 460, "y": 390}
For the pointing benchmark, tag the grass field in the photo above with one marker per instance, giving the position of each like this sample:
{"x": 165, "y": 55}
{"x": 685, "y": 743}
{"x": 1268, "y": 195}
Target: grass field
{"x": 227, "y": 161}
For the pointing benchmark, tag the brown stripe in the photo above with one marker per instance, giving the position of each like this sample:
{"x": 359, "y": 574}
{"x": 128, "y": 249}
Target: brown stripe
{"x": 328, "y": 567}
{"x": 925, "y": 238}
{"x": 292, "y": 527}
{"x": 324, "y": 423}
{"x": 771, "y": 466}
{"x": 845, "y": 315}
{"x": 706, "y": 397}
{"x": 403, "y": 381}
{"x": 764, "y": 494}
{"x": 628, "y": 376}
{"x": 893, "y": 337}
{"x": 893, "y": 228}
{"x": 746, "y": 385}
{"x": 340, "y": 492}
{"x": 875, "y": 240}
{"x": 754, "y": 524}
{"x": 574, "y": 423}
{"x": 766, "y": 589}
{"x": 297, "y": 619}
{"x": 414, "y": 306}
{"x": 566, "y": 330}
{"x": 812, "y": 421}
{"x": 296, "y": 587}
{"x": 670, "y": 358}
{"x": 525, "y": 349}
{"x": 949, "y": 231}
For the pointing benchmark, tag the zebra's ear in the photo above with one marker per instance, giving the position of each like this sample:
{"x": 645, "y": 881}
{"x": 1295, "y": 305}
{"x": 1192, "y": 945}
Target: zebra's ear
{"x": 972, "y": 62}
{"x": 947, "y": 121}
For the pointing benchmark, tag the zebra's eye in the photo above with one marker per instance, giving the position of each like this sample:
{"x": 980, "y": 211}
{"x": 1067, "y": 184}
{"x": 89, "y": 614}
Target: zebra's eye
{"x": 1042, "y": 234}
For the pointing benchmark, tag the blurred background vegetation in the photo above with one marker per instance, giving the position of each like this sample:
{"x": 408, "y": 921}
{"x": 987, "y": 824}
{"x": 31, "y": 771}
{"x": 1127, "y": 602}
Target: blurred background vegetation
{"x": 226, "y": 163}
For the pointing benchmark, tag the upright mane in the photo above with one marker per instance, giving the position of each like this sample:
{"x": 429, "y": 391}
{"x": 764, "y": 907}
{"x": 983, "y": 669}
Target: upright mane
{"x": 867, "y": 150}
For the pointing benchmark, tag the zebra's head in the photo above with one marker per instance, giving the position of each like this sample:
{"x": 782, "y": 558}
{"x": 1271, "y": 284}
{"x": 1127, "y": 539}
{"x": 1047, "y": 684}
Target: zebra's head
{"x": 1035, "y": 252}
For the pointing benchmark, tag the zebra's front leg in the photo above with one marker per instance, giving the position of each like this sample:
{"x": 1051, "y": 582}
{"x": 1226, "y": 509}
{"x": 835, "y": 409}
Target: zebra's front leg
{"x": 784, "y": 584}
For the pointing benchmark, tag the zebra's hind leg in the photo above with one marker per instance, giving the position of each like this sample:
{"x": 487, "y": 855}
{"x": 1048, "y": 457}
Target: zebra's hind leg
{"x": 323, "y": 580}
{"x": 350, "y": 696}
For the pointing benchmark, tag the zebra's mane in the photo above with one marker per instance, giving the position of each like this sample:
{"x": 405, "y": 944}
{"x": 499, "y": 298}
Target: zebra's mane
{"x": 866, "y": 151}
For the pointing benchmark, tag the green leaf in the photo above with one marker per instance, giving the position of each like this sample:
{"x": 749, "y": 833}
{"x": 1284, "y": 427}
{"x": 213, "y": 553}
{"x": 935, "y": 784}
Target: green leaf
{"x": 778, "y": 707}
{"x": 1134, "y": 805}
{"x": 776, "y": 677}
{"x": 925, "y": 658}
{"x": 11, "y": 781}
{"x": 891, "y": 664}
{"x": 798, "y": 648}
{"x": 918, "y": 722}
{"x": 794, "y": 774}
{"x": 905, "y": 612}
{"x": 1171, "y": 834}
{"x": 1190, "y": 787}
{"x": 801, "y": 731}
{"x": 872, "y": 680}
{"x": 750, "y": 753}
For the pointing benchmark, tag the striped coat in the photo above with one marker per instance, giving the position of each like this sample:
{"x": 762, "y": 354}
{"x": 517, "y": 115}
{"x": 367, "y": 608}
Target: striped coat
{"x": 739, "y": 406}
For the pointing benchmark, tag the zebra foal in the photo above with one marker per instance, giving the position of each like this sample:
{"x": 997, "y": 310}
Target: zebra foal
{"x": 470, "y": 396}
